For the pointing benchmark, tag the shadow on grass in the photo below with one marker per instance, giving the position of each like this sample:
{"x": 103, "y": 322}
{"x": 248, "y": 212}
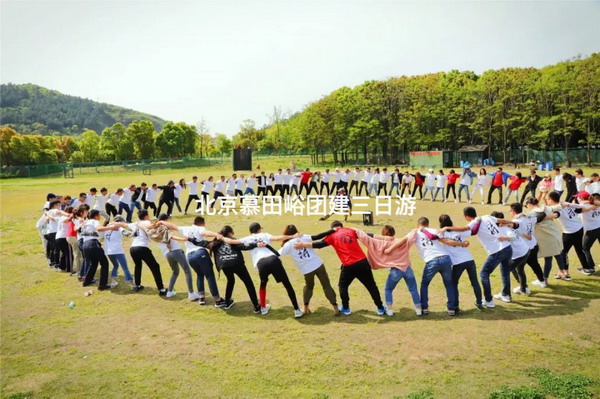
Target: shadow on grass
{"x": 559, "y": 299}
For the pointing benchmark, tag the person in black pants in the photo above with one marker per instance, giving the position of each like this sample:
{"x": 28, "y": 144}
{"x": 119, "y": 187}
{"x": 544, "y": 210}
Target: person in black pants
{"x": 532, "y": 182}
{"x": 355, "y": 181}
{"x": 325, "y": 183}
{"x": 571, "y": 185}
{"x": 167, "y": 197}
{"x": 262, "y": 185}
{"x": 193, "y": 185}
{"x": 229, "y": 260}
{"x": 140, "y": 252}
{"x": 354, "y": 264}
{"x": 93, "y": 250}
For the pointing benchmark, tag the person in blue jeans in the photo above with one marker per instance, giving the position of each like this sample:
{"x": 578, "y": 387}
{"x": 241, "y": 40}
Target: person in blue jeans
{"x": 499, "y": 252}
{"x": 462, "y": 260}
{"x": 114, "y": 251}
{"x": 437, "y": 261}
{"x": 392, "y": 281}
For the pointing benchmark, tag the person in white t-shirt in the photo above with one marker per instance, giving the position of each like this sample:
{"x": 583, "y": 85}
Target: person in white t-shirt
{"x": 193, "y": 193}
{"x": 100, "y": 203}
{"x": 407, "y": 180}
{"x": 207, "y": 185}
{"x": 278, "y": 180}
{"x": 384, "y": 177}
{"x": 250, "y": 185}
{"x": 461, "y": 258}
{"x": 437, "y": 261}
{"x": 64, "y": 253}
{"x": 440, "y": 185}
{"x": 125, "y": 202}
{"x": 374, "y": 183}
{"x": 113, "y": 248}
{"x": 266, "y": 261}
{"x": 580, "y": 180}
{"x": 90, "y": 198}
{"x": 355, "y": 181}
{"x": 336, "y": 180}
{"x": 239, "y": 185}
{"x": 526, "y": 230}
{"x": 430, "y": 180}
{"x": 80, "y": 200}
{"x": 149, "y": 198}
{"x": 220, "y": 187}
{"x": 366, "y": 179}
{"x": 294, "y": 187}
{"x": 140, "y": 252}
{"x": 287, "y": 181}
{"x": 593, "y": 185}
{"x": 310, "y": 265}
{"x": 325, "y": 177}
{"x": 487, "y": 229}
{"x": 590, "y": 218}
{"x": 344, "y": 178}
{"x": 178, "y": 189}
{"x": 559, "y": 182}
{"x": 483, "y": 181}
{"x": 112, "y": 203}
{"x": 91, "y": 230}
{"x": 52, "y": 215}
{"x": 199, "y": 259}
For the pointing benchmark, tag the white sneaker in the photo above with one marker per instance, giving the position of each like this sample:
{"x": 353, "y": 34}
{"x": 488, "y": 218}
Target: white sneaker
{"x": 517, "y": 290}
{"x": 389, "y": 312}
{"x": 171, "y": 294}
{"x": 503, "y": 298}
{"x": 489, "y": 304}
{"x": 456, "y": 201}
{"x": 265, "y": 310}
{"x": 298, "y": 313}
{"x": 193, "y": 296}
{"x": 419, "y": 311}
{"x": 114, "y": 284}
{"x": 539, "y": 283}
{"x": 470, "y": 202}
{"x": 482, "y": 202}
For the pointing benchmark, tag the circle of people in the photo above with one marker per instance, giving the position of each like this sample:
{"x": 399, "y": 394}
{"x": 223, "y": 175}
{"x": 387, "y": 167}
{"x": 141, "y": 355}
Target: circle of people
{"x": 71, "y": 234}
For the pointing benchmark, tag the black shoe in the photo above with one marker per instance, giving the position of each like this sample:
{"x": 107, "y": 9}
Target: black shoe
{"x": 229, "y": 304}
{"x": 162, "y": 292}
{"x": 425, "y": 312}
{"x": 220, "y": 303}
{"x": 104, "y": 287}
{"x": 257, "y": 309}
{"x": 137, "y": 288}
{"x": 202, "y": 301}
{"x": 479, "y": 306}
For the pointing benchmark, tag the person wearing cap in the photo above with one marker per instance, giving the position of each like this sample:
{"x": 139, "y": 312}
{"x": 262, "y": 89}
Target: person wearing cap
{"x": 266, "y": 260}
{"x": 167, "y": 197}
{"x": 590, "y": 218}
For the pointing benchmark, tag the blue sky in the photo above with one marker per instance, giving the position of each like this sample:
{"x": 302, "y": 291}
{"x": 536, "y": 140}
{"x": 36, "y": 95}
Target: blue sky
{"x": 227, "y": 61}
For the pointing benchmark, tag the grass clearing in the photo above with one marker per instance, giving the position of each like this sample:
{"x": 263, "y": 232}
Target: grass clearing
{"x": 120, "y": 344}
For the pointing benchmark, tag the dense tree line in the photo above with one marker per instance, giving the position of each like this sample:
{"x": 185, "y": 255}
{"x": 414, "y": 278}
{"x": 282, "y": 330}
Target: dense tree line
{"x": 32, "y": 109}
{"x": 557, "y": 106}
{"x": 138, "y": 140}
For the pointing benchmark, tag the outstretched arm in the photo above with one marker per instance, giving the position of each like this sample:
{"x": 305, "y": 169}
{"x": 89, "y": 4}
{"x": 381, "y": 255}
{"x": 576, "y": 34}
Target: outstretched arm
{"x": 321, "y": 235}
{"x": 314, "y": 244}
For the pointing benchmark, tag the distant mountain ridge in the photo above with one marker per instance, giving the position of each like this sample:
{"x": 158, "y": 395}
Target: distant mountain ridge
{"x": 33, "y": 109}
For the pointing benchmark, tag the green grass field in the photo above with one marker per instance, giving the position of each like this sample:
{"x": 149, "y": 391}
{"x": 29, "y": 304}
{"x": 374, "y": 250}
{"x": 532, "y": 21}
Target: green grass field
{"x": 121, "y": 344}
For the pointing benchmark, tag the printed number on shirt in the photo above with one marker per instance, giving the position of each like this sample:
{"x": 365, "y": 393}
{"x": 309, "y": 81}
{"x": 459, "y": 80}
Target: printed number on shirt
{"x": 303, "y": 253}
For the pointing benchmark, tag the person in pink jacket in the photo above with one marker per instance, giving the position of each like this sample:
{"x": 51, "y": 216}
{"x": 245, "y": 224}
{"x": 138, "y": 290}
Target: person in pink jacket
{"x": 398, "y": 262}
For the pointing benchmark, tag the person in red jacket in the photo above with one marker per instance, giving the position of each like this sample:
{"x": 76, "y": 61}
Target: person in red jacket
{"x": 451, "y": 184}
{"x": 305, "y": 180}
{"x": 515, "y": 182}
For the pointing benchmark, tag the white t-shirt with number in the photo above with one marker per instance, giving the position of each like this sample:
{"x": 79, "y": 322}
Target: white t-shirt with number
{"x": 590, "y": 219}
{"x": 458, "y": 255}
{"x": 113, "y": 242}
{"x": 488, "y": 235}
{"x": 569, "y": 219}
{"x": 429, "y": 249}
{"x": 61, "y": 227}
{"x": 306, "y": 259}
{"x": 518, "y": 244}
{"x": 527, "y": 226}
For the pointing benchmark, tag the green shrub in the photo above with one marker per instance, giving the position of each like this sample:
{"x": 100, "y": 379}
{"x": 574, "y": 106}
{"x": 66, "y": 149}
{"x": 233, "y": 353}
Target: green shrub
{"x": 517, "y": 393}
{"x": 563, "y": 386}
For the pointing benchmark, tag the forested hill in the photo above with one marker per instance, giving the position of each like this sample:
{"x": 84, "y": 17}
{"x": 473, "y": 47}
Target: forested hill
{"x": 29, "y": 108}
